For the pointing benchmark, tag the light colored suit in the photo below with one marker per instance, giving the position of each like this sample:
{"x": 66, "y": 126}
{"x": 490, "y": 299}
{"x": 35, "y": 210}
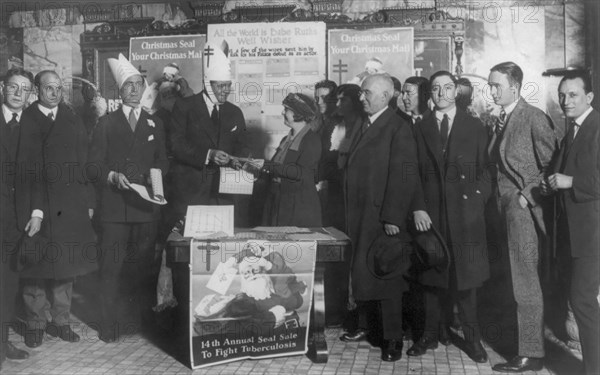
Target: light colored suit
{"x": 522, "y": 157}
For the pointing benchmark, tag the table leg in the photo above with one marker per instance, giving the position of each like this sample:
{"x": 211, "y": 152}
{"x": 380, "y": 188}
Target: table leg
{"x": 317, "y": 347}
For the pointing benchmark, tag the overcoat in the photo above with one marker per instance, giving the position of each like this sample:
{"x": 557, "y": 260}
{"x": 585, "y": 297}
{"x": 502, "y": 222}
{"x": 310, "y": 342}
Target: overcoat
{"x": 115, "y": 147}
{"x": 192, "y": 135}
{"x": 582, "y": 202}
{"x": 380, "y": 180}
{"x": 454, "y": 190}
{"x": 67, "y": 240}
{"x": 294, "y": 200}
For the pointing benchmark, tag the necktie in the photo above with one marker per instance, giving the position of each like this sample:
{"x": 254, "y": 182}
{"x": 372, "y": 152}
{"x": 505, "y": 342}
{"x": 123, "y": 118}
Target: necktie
{"x": 501, "y": 122}
{"x": 132, "y": 120}
{"x": 416, "y": 120}
{"x": 575, "y": 127}
{"x": 444, "y": 132}
{"x": 51, "y": 116}
{"x": 214, "y": 115}
{"x": 365, "y": 126}
{"x": 13, "y": 123}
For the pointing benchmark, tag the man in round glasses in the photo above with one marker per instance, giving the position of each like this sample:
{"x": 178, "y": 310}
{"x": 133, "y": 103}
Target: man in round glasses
{"x": 206, "y": 131}
{"x": 59, "y": 252}
{"x": 17, "y": 200}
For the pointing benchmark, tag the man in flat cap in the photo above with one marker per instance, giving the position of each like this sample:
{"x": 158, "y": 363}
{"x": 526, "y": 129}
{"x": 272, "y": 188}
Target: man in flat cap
{"x": 126, "y": 144}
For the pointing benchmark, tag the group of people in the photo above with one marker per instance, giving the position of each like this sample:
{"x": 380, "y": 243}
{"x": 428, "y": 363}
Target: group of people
{"x": 378, "y": 160}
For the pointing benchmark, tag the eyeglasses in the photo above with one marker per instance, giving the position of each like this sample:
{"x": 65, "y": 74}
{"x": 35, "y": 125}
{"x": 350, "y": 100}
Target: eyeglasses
{"x": 129, "y": 85}
{"x": 364, "y": 92}
{"x": 12, "y": 88}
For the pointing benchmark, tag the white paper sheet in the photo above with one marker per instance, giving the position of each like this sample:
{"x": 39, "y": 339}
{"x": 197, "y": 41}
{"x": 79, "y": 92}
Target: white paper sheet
{"x": 203, "y": 221}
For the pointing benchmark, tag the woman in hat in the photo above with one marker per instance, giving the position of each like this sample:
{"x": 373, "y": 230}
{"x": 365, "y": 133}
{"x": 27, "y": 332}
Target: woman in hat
{"x": 292, "y": 198}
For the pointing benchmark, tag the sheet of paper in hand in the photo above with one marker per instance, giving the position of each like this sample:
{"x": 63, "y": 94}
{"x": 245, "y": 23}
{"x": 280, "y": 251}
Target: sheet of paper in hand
{"x": 239, "y": 181}
{"x": 155, "y": 192}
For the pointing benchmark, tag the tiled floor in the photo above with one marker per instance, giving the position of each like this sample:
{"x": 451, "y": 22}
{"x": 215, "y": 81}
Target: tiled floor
{"x": 136, "y": 354}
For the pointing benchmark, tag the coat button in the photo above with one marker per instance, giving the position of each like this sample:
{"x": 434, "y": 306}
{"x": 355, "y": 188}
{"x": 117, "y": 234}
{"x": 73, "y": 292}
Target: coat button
{"x": 462, "y": 176}
{"x": 464, "y": 196}
{"x": 477, "y": 191}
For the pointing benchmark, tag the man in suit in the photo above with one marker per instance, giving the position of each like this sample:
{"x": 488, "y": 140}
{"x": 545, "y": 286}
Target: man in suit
{"x": 380, "y": 181}
{"x": 20, "y": 197}
{"x": 206, "y": 131}
{"x": 521, "y": 149}
{"x": 415, "y": 94}
{"x": 126, "y": 145}
{"x": 67, "y": 239}
{"x": 452, "y": 149}
{"x": 576, "y": 178}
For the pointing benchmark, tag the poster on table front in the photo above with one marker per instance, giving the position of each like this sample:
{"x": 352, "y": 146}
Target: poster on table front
{"x": 354, "y": 54}
{"x": 268, "y": 61}
{"x": 172, "y": 66}
{"x": 249, "y": 299}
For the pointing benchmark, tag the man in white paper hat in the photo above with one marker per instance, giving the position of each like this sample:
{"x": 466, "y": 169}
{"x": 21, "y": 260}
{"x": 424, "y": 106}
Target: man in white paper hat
{"x": 126, "y": 144}
{"x": 206, "y": 131}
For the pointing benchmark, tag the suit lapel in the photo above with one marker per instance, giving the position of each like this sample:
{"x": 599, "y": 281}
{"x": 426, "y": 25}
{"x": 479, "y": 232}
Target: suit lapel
{"x": 458, "y": 137}
{"x": 431, "y": 136}
{"x": 510, "y": 127}
{"x": 204, "y": 122}
{"x": 371, "y": 133}
{"x": 4, "y": 133}
{"x": 584, "y": 134}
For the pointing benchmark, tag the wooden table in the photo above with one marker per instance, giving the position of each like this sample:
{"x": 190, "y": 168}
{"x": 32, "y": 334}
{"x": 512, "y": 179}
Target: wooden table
{"x": 331, "y": 280}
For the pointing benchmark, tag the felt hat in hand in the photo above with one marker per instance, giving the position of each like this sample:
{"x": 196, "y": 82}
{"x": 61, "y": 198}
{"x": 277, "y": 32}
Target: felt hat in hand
{"x": 388, "y": 257}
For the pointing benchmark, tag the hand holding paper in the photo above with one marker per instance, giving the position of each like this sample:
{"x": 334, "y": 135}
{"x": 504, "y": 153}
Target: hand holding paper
{"x": 155, "y": 192}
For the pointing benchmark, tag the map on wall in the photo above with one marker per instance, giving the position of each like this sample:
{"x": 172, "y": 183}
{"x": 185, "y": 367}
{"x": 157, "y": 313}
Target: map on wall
{"x": 268, "y": 61}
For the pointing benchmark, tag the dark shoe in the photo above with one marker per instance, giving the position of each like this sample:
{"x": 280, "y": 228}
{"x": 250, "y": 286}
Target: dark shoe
{"x": 64, "y": 332}
{"x": 421, "y": 346}
{"x": 358, "y": 335}
{"x": 520, "y": 364}
{"x": 444, "y": 337}
{"x": 476, "y": 352}
{"x": 108, "y": 338}
{"x": 12, "y": 352}
{"x": 391, "y": 350}
{"x": 34, "y": 337}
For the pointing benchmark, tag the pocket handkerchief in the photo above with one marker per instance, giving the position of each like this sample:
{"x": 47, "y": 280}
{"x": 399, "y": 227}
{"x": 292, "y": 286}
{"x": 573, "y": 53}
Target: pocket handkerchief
{"x": 150, "y": 137}
{"x": 234, "y": 128}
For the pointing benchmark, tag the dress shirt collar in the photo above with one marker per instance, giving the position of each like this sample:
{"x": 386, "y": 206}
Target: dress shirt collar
{"x": 375, "y": 116}
{"x": 46, "y": 110}
{"x": 439, "y": 115}
{"x": 509, "y": 108}
{"x": 210, "y": 101}
{"x": 127, "y": 109}
{"x": 579, "y": 120}
{"x": 8, "y": 114}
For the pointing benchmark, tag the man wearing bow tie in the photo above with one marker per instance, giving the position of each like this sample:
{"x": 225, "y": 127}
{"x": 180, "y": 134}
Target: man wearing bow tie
{"x": 207, "y": 131}
{"x": 126, "y": 144}
{"x": 521, "y": 149}
{"x": 65, "y": 247}
{"x": 20, "y": 200}
{"x": 576, "y": 179}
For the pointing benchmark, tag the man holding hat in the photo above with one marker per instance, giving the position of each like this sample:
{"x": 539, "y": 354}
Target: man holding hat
{"x": 452, "y": 155}
{"x": 126, "y": 144}
{"x": 206, "y": 131}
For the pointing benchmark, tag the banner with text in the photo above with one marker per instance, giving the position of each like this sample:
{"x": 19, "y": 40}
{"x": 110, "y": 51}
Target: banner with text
{"x": 249, "y": 299}
{"x": 172, "y": 66}
{"x": 354, "y": 54}
{"x": 268, "y": 61}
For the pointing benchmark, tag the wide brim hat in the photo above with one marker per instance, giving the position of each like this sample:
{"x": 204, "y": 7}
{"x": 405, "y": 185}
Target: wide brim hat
{"x": 431, "y": 249}
{"x": 388, "y": 257}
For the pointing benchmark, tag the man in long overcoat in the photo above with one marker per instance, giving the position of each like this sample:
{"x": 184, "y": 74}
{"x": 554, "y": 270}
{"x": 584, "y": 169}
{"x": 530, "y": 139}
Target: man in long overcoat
{"x": 66, "y": 246}
{"x": 381, "y": 178}
{"x": 452, "y": 151}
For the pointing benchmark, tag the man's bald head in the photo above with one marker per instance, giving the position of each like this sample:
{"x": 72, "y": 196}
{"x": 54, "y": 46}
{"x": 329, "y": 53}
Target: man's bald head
{"x": 377, "y": 89}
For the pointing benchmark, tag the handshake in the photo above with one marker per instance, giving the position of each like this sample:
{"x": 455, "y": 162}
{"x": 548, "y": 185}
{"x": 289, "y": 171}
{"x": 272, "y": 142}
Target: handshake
{"x": 223, "y": 159}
